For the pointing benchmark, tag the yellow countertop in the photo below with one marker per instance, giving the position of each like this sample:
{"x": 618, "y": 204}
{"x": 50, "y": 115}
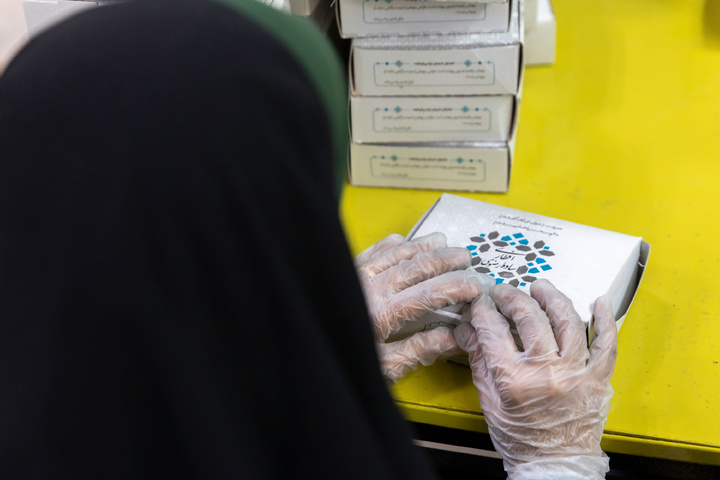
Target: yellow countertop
{"x": 622, "y": 133}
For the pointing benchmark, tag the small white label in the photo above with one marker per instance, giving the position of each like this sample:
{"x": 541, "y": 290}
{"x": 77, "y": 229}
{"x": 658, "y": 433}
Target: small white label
{"x": 428, "y": 168}
{"x": 434, "y": 73}
{"x": 432, "y": 119}
{"x": 412, "y": 11}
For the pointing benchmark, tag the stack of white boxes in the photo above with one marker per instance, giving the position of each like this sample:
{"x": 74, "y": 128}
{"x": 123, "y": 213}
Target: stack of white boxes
{"x": 435, "y": 92}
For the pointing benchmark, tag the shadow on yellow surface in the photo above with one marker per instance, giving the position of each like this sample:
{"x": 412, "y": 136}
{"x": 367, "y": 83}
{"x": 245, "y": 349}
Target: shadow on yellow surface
{"x": 711, "y": 24}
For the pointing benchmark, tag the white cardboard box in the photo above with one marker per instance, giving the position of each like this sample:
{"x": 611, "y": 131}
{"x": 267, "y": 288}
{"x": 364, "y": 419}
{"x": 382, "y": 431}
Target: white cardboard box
{"x": 518, "y": 247}
{"x": 458, "y": 64}
{"x": 358, "y": 18}
{"x": 43, "y": 14}
{"x": 540, "y": 41}
{"x": 530, "y": 8}
{"x": 432, "y": 119}
{"x": 464, "y": 167}
{"x": 306, "y": 8}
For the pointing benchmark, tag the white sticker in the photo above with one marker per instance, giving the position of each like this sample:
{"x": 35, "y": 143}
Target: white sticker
{"x": 428, "y": 168}
{"x": 432, "y": 119}
{"x": 467, "y": 72}
{"x": 414, "y": 11}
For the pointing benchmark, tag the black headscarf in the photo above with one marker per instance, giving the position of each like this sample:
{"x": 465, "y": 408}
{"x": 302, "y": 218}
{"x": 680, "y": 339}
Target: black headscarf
{"x": 177, "y": 299}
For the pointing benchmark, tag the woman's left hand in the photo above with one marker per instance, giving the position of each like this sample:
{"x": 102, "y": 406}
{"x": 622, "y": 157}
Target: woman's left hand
{"x": 402, "y": 280}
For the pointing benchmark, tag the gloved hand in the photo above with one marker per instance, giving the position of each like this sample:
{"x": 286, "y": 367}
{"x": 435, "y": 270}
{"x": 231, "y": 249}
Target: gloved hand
{"x": 403, "y": 280}
{"x": 546, "y": 406}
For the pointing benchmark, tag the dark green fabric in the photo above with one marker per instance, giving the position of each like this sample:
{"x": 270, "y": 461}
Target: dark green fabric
{"x": 321, "y": 63}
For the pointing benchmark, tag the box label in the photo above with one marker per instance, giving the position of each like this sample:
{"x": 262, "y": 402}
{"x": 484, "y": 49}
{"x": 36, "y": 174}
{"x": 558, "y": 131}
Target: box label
{"x": 510, "y": 255}
{"x": 432, "y": 119}
{"x": 413, "y": 11}
{"x": 428, "y": 168}
{"x": 434, "y": 73}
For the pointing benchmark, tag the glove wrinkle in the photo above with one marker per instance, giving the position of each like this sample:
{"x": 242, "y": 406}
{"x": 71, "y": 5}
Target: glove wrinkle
{"x": 546, "y": 407}
{"x": 404, "y": 280}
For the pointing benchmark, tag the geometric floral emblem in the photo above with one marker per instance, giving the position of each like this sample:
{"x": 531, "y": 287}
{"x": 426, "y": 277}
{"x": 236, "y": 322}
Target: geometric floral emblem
{"x": 509, "y": 258}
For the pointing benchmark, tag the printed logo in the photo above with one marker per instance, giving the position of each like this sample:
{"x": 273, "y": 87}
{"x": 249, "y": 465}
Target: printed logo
{"x": 510, "y": 258}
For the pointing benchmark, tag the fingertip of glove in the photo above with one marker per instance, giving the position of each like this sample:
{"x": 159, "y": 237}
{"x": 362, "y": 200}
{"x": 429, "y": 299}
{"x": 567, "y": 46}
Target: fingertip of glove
{"x": 603, "y": 308}
{"x": 543, "y": 285}
{"x": 463, "y": 335}
{"x": 438, "y": 236}
{"x": 485, "y": 282}
{"x": 502, "y": 292}
{"x": 433, "y": 240}
{"x": 459, "y": 257}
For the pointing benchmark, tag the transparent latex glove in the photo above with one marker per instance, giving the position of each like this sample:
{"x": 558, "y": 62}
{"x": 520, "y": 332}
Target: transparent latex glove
{"x": 546, "y": 406}
{"x": 402, "y": 280}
